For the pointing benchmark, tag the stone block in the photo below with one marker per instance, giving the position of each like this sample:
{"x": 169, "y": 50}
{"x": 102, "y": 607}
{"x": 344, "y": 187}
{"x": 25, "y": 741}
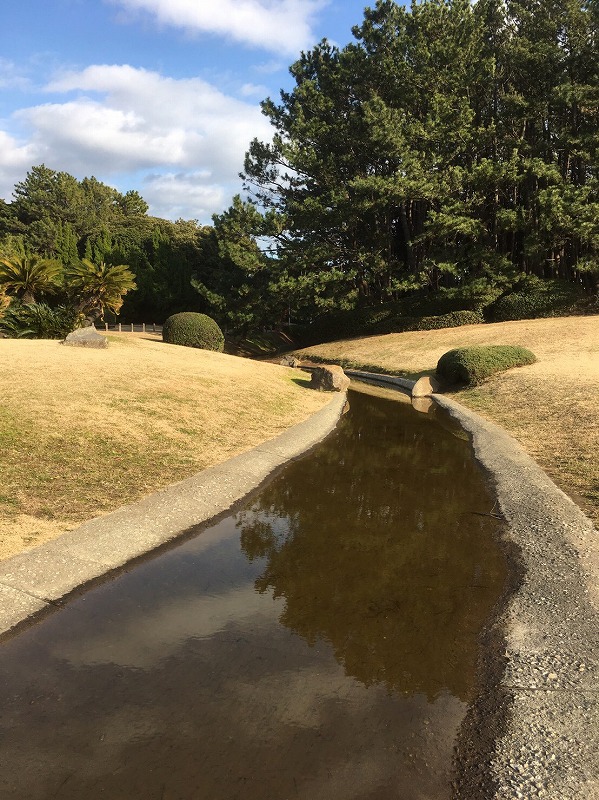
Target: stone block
{"x": 86, "y": 337}
{"x": 331, "y": 378}
{"x": 425, "y": 386}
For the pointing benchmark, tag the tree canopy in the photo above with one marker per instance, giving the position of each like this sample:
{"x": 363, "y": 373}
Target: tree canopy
{"x": 450, "y": 143}
{"x": 27, "y": 275}
{"x": 60, "y": 219}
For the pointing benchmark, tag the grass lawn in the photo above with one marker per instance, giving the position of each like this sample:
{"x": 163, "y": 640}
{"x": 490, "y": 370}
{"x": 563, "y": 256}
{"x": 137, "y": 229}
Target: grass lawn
{"x": 85, "y": 431}
{"x": 551, "y": 407}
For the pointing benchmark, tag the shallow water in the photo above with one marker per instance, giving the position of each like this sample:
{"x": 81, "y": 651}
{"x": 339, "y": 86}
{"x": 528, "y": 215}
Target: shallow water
{"x": 319, "y": 643}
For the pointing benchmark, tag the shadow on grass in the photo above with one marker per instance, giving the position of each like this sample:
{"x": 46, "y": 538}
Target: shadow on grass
{"x": 115, "y": 336}
{"x": 304, "y": 382}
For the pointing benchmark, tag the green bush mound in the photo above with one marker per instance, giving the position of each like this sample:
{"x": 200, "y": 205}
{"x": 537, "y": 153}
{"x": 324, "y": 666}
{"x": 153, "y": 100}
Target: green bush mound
{"x": 191, "y": 329}
{"x": 534, "y": 298}
{"x": 472, "y": 297}
{"x": 472, "y": 365}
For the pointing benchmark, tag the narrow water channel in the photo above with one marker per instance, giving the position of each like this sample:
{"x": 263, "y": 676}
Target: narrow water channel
{"x": 320, "y": 643}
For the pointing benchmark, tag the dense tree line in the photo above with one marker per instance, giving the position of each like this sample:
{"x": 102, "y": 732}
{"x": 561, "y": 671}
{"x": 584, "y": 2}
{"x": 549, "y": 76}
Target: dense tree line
{"x": 57, "y": 217}
{"x": 177, "y": 266}
{"x": 451, "y": 144}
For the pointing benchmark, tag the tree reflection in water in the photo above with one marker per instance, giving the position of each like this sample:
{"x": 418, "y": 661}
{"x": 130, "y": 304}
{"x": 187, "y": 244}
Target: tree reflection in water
{"x": 379, "y": 545}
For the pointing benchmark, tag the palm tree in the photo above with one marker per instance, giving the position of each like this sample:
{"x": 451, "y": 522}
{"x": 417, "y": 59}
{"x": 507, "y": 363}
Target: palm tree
{"x": 27, "y": 274}
{"x": 98, "y": 287}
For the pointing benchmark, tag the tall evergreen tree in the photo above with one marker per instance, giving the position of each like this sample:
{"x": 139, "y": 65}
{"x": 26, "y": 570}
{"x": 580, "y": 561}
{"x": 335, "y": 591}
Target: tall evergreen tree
{"x": 449, "y": 144}
{"x": 234, "y": 277}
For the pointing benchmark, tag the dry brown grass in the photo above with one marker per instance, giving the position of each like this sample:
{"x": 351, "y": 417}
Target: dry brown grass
{"x": 85, "y": 431}
{"x": 551, "y": 407}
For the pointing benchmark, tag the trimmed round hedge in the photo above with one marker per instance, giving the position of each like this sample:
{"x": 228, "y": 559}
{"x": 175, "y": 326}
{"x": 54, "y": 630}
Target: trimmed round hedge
{"x": 473, "y": 365}
{"x": 191, "y": 329}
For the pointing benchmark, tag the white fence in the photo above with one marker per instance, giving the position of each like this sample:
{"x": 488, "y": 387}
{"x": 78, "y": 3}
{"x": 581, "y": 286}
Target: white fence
{"x": 124, "y": 327}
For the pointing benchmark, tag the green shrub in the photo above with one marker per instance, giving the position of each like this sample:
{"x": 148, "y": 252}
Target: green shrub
{"x": 455, "y": 319}
{"x": 472, "y": 297}
{"x": 380, "y": 320}
{"x": 446, "y": 301}
{"x": 473, "y": 365}
{"x": 38, "y": 321}
{"x": 193, "y": 330}
{"x": 533, "y": 298}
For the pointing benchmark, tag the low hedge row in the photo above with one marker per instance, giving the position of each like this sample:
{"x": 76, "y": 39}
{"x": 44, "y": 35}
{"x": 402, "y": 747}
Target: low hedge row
{"x": 455, "y": 319}
{"x": 472, "y": 365}
{"x": 533, "y": 298}
{"x": 382, "y": 320}
{"x": 529, "y": 298}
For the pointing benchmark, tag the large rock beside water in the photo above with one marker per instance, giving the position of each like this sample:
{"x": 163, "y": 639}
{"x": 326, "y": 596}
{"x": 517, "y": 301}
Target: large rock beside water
{"x": 86, "y": 337}
{"x": 329, "y": 379}
{"x": 425, "y": 386}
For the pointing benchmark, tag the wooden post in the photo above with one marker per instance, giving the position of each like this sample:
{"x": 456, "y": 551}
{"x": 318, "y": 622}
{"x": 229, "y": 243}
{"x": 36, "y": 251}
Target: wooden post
{"x": 120, "y": 327}
{"x": 131, "y": 327}
{"x": 143, "y": 327}
{"x": 153, "y": 327}
{"x": 106, "y": 326}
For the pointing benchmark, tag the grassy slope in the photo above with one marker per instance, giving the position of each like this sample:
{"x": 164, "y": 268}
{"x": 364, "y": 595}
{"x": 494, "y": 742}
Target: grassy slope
{"x": 85, "y": 431}
{"x": 551, "y": 407}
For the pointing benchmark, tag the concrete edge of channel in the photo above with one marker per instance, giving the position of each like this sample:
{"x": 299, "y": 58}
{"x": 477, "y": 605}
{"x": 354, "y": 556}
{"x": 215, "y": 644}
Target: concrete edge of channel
{"x": 32, "y": 581}
{"x": 533, "y": 731}
{"x": 381, "y": 378}
{"x": 540, "y": 721}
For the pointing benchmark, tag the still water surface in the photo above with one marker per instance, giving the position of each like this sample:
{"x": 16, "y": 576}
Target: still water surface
{"x": 320, "y": 643}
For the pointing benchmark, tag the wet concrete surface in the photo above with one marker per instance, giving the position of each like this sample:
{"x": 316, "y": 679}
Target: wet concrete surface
{"x": 320, "y": 642}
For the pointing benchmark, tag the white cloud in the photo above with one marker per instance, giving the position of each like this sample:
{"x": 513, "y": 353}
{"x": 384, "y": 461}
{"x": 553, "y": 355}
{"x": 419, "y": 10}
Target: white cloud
{"x": 11, "y": 77}
{"x": 172, "y": 195}
{"x": 123, "y": 120}
{"x": 254, "y": 90}
{"x": 269, "y": 67}
{"x": 146, "y": 119}
{"x": 15, "y": 160}
{"x": 281, "y": 26}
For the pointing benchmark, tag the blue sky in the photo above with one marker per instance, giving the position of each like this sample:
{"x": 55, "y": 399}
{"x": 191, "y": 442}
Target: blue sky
{"x": 161, "y": 96}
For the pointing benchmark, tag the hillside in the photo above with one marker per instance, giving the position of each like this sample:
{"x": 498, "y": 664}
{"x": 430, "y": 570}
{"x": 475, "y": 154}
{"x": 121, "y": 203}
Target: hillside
{"x": 85, "y": 431}
{"x": 551, "y": 407}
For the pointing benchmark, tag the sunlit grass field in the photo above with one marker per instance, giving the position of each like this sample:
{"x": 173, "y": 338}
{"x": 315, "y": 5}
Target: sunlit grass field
{"x": 84, "y": 431}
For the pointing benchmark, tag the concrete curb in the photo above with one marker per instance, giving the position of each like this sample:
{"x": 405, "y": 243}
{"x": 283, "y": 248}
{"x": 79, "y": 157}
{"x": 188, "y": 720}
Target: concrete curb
{"x": 31, "y": 581}
{"x": 545, "y": 707}
{"x": 385, "y": 380}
